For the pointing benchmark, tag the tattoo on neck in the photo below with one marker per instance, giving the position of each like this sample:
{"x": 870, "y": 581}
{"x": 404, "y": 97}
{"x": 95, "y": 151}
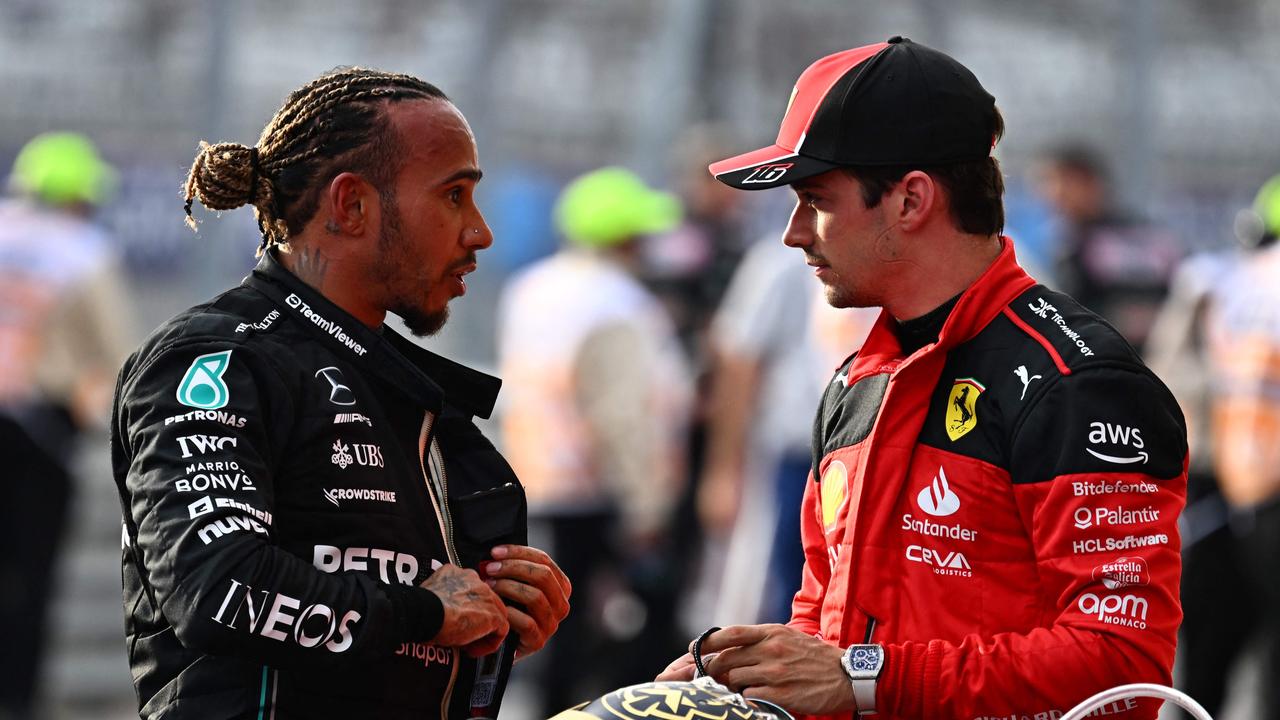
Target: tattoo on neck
{"x": 311, "y": 266}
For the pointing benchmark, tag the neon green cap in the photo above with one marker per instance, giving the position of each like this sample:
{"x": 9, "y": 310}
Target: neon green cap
{"x": 61, "y": 168}
{"x": 611, "y": 205}
{"x": 1267, "y": 205}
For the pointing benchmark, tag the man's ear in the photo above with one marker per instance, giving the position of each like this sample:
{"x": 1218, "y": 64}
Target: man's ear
{"x": 920, "y": 199}
{"x": 352, "y": 204}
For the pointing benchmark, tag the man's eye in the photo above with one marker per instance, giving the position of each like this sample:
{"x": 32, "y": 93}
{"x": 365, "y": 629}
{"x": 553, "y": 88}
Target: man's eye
{"x": 455, "y": 195}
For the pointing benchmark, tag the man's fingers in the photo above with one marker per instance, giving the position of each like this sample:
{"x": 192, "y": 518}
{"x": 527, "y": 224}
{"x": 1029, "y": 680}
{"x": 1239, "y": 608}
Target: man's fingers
{"x": 486, "y": 645}
{"x": 528, "y": 583}
{"x": 532, "y": 635}
{"x": 722, "y": 663}
{"x": 681, "y": 669}
{"x": 537, "y": 557}
{"x": 734, "y": 636}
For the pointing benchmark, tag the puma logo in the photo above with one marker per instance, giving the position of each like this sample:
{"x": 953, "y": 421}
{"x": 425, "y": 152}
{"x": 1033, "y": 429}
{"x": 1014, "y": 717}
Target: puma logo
{"x": 1021, "y": 372}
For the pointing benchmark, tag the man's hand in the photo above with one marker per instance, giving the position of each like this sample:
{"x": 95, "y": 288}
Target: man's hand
{"x": 474, "y": 616}
{"x": 776, "y": 663}
{"x": 529, "y": 577}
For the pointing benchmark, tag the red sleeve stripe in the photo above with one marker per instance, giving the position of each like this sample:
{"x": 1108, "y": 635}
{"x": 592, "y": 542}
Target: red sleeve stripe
{"x": 1044, "y": 342}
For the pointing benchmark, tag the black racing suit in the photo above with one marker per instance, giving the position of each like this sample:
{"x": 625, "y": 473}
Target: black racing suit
{"x": 288, "y": 478}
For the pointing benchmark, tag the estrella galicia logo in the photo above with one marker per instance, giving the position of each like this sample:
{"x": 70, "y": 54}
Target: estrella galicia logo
{"x": 339, "y": 393}
{"x": 202, "y": 386}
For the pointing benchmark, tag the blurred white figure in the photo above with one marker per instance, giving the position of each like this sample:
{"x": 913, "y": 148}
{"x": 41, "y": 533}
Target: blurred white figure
{"x": 597, "y": 402}
{"x": 776, "y": 342}
{"x": 64, "y": 330}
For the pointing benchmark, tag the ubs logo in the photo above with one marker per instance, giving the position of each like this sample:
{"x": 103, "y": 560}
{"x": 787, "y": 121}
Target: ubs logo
{"x": 339, "y": 393}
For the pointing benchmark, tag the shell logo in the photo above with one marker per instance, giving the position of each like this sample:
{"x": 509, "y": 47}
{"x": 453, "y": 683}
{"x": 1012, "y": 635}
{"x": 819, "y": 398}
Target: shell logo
{"x": 835, "y": 493}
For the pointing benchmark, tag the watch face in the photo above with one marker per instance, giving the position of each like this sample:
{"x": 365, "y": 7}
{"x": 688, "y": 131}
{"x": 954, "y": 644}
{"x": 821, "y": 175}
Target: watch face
{"x": 864, "y": 659}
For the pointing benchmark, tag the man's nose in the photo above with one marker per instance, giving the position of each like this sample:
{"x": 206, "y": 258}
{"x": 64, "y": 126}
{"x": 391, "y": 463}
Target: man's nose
{"x": 799, "y": 232}
{"x": 479, "y": 236}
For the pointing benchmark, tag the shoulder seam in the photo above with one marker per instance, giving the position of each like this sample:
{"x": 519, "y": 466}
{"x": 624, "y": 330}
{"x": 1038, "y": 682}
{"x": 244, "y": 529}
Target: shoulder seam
{"x": 1039, "y": 338}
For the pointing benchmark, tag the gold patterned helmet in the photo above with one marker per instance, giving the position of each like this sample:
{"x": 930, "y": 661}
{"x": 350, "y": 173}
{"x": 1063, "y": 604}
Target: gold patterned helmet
{"x": 701, "y": 699}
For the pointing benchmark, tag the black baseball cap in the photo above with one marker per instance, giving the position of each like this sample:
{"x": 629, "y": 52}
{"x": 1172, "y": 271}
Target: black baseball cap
{"x": 892, "y": 103}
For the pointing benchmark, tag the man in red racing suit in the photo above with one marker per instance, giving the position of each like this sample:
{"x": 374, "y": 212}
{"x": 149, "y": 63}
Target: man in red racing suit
{"x": 990, "y": 527}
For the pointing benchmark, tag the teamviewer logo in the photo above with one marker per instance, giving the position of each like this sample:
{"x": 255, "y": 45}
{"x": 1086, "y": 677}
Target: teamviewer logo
{"x": 938, "y": 499}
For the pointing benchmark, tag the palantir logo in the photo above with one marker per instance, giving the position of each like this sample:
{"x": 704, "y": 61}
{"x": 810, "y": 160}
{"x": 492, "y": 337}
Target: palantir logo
{"x": 202, "y": 386}
{"x": 938, "y": 499}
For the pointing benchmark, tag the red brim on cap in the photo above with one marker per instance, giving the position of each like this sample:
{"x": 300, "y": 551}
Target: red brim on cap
{"x": 767, "y": 168}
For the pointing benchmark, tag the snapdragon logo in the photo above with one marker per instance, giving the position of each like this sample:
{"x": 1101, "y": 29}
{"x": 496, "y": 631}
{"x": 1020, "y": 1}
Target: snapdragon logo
{"x": 283, "y": 618}
{"x": 1126, "y": 610}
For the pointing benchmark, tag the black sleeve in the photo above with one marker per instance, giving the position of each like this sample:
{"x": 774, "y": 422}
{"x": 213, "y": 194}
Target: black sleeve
{"x": 208, "y": 551}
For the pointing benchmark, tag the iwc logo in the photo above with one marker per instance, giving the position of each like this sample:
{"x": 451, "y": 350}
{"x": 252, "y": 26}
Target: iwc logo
{"x": 962, "y": 407}
{"x": 835, "y": 493}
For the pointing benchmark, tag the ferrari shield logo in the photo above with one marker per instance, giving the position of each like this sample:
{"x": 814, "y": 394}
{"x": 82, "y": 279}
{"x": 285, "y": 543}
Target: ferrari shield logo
{"x": 962, "y": 407}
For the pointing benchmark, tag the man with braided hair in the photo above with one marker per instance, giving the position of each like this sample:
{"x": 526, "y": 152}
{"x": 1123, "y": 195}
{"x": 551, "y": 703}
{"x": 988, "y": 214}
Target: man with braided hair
{"x": 302, "y": 487}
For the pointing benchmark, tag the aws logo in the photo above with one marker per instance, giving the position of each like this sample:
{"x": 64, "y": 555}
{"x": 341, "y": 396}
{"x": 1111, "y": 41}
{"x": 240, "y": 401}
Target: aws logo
{"x": 1101, "y": 433}
{"x": 834, "y": 493}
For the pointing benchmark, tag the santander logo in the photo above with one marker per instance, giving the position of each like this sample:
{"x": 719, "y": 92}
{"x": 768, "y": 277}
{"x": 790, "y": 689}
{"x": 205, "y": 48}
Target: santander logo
{"x": 937, "y": 498}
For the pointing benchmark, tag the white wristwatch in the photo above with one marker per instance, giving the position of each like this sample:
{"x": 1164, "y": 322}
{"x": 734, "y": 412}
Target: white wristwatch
{"x": 862, "y": 665}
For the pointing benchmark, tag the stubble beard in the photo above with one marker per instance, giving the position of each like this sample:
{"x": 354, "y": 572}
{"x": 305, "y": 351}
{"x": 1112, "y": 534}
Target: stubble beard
{"x": 404, "y": 302}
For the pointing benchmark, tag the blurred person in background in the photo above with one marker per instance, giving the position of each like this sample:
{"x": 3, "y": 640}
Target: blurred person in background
{"x": 689, "y": 266}
{"x": 776, "y": 342}
{"x": 1118, "y": 265}
{"x": 307, "y": 499}
{"x": 1219, "y": 603}
{"x": 964, "y": 553}
{"x": 1242, "y": 331}
{"x": 64, "y": 325}
{"x": 594, "y": 425}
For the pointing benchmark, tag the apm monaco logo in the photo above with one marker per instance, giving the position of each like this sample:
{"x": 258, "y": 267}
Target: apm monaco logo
{"x": 767, "y": 173}
{"x": 1126, "y": 610}
{"x": 938, "y": 499}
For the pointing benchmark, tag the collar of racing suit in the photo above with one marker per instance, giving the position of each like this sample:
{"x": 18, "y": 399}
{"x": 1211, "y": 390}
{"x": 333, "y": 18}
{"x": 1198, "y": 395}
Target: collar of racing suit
{"x": 976, "y": 307}
{"x": 418, "y": 372}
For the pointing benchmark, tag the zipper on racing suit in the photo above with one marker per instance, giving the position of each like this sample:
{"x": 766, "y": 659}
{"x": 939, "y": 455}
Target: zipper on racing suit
{"x": 431, "y": 460}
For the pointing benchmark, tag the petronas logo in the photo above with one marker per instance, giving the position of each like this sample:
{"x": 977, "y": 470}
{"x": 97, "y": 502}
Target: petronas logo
{"x": 202, "y": 386}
